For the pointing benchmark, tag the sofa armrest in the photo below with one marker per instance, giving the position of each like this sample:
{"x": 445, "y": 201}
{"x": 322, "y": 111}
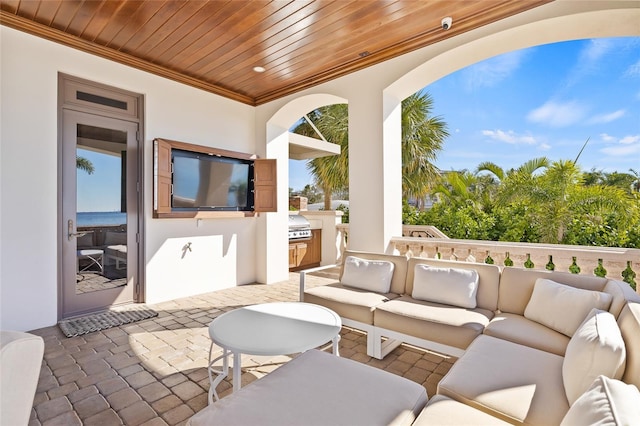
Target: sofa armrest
{"x": 20, "y": 361}
{"x": 303, "y": 275}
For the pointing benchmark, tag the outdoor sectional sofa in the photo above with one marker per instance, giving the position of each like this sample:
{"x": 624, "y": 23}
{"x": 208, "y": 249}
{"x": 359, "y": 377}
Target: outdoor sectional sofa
{"x": 518, "y": 361}
{"x": 534, "y": 347}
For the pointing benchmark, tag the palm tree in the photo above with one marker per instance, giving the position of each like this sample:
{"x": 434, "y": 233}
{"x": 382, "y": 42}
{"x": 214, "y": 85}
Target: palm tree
{"x": 456, "y": 189}
{"x": 552, "y": 197}
{"x": 331, "y": 173}
{"x": 422, "y": 137}
{"x": 84, "y": 164}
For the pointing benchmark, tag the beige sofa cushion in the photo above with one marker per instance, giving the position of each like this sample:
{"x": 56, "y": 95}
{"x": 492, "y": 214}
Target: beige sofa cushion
{"x": 443, "y": 411}
{"x": 562, "y": 307}
{"x": 488, "y": 278}
{"x": 445, "y": 324}
{"x": 451, "y": 286}
{"x": 318, "y": 388}
{"x": 518, "y": 329}
{"x": 351, "y": 303}
{"x": 596, "y": 348}
{"x": 513, "y": 382}
{"x": 629, "y": 323}
{"x": 516, "y": 286}
{"x": 365, "y": 274}
{"x": 399, "y": 267}
{"x": 606, "y": 402}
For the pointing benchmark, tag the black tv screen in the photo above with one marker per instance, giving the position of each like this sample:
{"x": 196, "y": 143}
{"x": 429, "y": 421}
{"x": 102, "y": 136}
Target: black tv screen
{"x": 210, "y": 182}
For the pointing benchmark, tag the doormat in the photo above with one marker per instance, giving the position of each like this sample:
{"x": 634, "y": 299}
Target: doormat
{"x": 102, "y": 321}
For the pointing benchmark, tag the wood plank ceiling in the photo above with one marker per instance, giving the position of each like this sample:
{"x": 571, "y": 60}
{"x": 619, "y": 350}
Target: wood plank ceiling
{"x": 214, "y": 45}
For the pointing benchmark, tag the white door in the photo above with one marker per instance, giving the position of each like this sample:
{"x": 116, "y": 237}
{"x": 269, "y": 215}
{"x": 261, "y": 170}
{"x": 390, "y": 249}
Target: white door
{"x": 99, "y": 265}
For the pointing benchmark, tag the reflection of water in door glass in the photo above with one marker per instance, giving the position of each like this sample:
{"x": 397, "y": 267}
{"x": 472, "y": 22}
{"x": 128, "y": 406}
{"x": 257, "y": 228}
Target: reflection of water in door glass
{"x": 101, "y": 208}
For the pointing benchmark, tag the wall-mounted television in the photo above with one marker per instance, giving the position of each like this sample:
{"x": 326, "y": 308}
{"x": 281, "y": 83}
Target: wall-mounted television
{"x": 210, "y": 182}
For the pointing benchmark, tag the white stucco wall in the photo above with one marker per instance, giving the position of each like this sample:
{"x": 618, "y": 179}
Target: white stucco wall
{"x": 223, "y": 250}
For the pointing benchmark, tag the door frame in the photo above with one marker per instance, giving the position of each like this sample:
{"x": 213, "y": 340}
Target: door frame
{"x": 68, "y": 87}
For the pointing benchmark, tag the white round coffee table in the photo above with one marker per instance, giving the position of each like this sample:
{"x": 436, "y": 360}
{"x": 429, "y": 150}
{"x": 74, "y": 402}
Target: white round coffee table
{"x": 269, "y": 329}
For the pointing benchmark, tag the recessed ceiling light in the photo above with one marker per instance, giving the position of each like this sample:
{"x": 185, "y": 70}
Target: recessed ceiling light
{"x": 259, "y": 69}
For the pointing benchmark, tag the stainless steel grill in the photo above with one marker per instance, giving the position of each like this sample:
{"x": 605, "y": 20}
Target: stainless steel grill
{"x": 299, "y": 227}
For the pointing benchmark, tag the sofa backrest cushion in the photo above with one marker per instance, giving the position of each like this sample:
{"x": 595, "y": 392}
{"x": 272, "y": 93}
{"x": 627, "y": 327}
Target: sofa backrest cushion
{"x": 516, "y": 286}
{"x": 607, "y": 402}
{"x": 399, "y": 267}
{"x": 629, "y": 323}
{"x": 85, "y": 241}
{"x": 366, "y": 274}
{"x": 561, "y": 307}
{"x": 112, "y": 238}
{"x": 595, "y": 349}
{"x": 488, "y": 278}
{"x": 451, "y": 286}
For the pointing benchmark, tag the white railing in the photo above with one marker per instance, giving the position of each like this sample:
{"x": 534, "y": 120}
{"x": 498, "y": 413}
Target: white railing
{"x": 432, "y": 245}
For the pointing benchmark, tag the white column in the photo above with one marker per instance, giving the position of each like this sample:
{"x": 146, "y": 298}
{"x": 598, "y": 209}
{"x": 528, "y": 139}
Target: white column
{"x": 375, "y": 171}
{"x": 272, "y": 242}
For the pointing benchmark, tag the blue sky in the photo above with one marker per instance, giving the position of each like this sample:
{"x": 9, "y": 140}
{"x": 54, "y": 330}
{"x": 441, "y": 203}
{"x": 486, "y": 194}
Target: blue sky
{"x": 541, "y": 101}
{"x": 100, "y": 191}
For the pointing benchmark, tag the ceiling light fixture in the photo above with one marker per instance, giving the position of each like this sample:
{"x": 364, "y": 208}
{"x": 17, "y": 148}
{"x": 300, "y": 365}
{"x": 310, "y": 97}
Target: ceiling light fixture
{"x": 259, "y": 69}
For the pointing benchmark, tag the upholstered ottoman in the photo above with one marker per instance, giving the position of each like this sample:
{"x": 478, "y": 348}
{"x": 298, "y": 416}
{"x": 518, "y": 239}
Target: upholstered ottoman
{"x": 318, "y": 388}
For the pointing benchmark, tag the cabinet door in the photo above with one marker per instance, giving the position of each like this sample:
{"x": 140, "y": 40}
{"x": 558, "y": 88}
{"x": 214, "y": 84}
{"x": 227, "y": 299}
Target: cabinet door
{"x": 292, "y": 256}
{"x": 314, "y": 250}
{"x": 265, "y": 185}
{"x": 301, "y": 251}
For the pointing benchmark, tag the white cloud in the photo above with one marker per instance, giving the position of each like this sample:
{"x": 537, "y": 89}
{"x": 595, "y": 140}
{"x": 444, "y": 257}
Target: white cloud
{"x": 544, "y": 146}
{"x": 596, "y": 49}
{"x": 630, "y": 139}
{"x": 509, "y": 137}
{"x": 607, "y": 138}
{"x": 622, "y": 147}
{"x": 492, "y": 71}
{"x": 633, "y": 70}
{"x": 606, "y": 118}
{"x": 621, "y": 150}
{"x": 556, "y": 114}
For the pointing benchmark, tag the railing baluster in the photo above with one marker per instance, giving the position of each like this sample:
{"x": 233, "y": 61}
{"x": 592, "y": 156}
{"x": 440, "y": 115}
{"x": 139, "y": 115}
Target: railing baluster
{"x": 600, "y": 271}
{"x": 628, "y": 275}
{"x": 507, "y": 260}
{"x": 488, "y": 259}
{"x": 550, "y": 266}
{"x": 528, "y": 263}
{"x": 470, "y": 257}
{"x": 574, "y": 268}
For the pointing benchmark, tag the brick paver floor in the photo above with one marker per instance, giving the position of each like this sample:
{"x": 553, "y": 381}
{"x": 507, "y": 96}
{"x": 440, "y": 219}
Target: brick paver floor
{"x": 153, "y": 372}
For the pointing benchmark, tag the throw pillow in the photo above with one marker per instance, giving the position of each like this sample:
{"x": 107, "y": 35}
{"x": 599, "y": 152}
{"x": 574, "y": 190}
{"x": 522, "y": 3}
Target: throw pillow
{"x": 562, "y": 307}
{"x": 595, "y": 349}
{"x": 365, "y": 274}
{"x": 607, "y": 402}
{"x": 451, "y": 286}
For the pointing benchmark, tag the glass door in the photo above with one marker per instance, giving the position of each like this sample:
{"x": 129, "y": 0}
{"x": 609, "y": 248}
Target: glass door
{"x": 99, "y": 212}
